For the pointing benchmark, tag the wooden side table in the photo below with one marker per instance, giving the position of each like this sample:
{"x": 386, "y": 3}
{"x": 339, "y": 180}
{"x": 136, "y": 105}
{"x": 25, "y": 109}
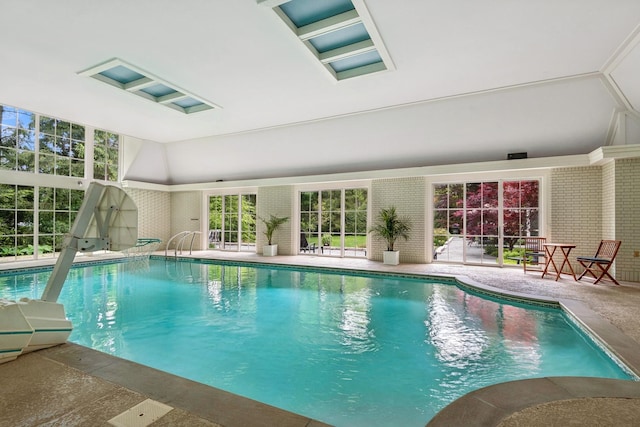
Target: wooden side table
{"x": 550, "y": 250}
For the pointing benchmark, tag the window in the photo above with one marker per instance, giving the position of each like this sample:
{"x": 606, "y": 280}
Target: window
{"x": 31, "y": 142}
{"x": 16, "y": 221}
{"x": 105, "y": 155}
{"x": 232, "y": 222}
{"x": 61, "y": 147}
{"x": 17, "y": 139}
{"x": 58, "y": 208}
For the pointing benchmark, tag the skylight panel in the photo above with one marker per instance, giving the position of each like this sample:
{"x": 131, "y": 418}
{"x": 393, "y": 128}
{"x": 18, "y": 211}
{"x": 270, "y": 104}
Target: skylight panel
{"x": 159, "y": 90}
{"x": 356, "y": 61}
{"x": 121, "y": 74}
{"x": 339, "y": 33}
{"x": 340, "y": 38}
{"x": 129, "y": 78}
{"x": 305, "y": 12}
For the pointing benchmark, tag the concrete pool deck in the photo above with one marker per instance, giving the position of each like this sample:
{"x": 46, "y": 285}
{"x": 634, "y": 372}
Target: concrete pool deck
{"x": 73, "y": 385}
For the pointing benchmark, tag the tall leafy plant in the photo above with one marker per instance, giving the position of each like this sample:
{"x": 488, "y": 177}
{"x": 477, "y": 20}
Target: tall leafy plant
{"x": 272, "y": 225}
{"x": 391, "y": 227}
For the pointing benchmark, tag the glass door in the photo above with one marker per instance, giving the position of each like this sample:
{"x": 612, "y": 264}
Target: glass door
{"x": 484, "y": 222}
{"x": 481, "y": 216}
{"x": 232, "y": 222}
{"x": 334, "y": 222}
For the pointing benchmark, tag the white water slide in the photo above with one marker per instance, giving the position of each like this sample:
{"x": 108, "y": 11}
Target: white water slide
{"x": 107, "y": 220}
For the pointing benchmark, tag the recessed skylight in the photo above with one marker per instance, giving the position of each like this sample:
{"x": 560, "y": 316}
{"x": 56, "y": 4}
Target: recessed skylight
{"x": 339, "y": 33}
{"x": 132, "y": 79}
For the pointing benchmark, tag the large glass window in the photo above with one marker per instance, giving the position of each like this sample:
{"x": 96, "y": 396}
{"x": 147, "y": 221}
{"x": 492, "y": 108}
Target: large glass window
{"x": 232, "y": 222}
{"x": 17, "y": 139}
{"x": 20, "y": 234}
{"x": 58, "y": 208}
{"x": 58, "y": 146}
{"x": 34, "y": 220}
{"x": 16, "y": 221}
{"x": 105, "y": 155}
{"x": 62, "y": 147}
{"x": 334, "y": 222}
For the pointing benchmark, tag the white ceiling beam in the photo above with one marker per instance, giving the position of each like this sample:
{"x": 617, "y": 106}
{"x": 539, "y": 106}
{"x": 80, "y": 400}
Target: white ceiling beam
{"x": 347, "y": 51}
{"x": 372, "y": 29}
{"x": 328, "y": 25}
{"x": 139, "y": 84}
{"x": 107, "y": 65}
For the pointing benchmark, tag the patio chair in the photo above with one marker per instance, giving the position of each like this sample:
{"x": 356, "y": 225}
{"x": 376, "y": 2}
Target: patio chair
{"x": 214, "y": 236}
{"x": 534, "y": 258}
{"x": 304, "y": 244}
{"x": 598, "y": 265}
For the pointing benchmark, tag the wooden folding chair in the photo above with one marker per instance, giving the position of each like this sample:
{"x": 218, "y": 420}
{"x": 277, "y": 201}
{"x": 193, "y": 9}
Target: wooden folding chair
{"x": 598, "y": 265}
{"x": 534, "y": 258}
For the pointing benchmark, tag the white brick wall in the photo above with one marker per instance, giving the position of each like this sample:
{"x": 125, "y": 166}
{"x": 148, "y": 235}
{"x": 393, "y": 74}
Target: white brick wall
{"x": 278, "y": 201}
{"x": 408, "y": 195}
{"x": 154, "y": 213}
{"x": 576, "y": 209}
{"x": 627, "y": 214}
{"x": 589, "y": 204}
{"x": 608, "y": 201}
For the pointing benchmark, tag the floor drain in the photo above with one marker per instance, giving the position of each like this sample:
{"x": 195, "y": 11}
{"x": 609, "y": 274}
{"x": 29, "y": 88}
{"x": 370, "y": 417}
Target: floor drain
{"x": 141, "y": 415}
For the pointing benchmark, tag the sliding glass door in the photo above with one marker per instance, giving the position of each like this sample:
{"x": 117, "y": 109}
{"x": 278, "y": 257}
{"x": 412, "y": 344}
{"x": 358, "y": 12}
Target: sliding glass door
{"x": 232, "y": 222}
{"x": 484, "y": 222}
{"x": 334, "y": 222}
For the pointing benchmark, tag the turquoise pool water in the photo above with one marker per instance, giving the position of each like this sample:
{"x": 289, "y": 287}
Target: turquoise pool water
{"x": 347, "y": 350}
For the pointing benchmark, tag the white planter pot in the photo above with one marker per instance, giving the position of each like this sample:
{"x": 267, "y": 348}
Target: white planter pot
{"x": 270, "y": 250}
{"x": 391, "y": 257}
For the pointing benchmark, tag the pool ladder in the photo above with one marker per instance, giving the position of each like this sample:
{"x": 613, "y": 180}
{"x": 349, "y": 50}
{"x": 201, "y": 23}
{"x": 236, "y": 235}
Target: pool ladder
{"x": 184, "y": 236}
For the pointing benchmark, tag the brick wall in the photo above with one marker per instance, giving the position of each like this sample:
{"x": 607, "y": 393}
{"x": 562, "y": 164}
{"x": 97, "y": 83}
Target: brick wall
{"x": 278, "y": 201}
{"x": 408, "y": 195}
{"x": 608, "y": 201}
{"x": 577, "y": 209}
{"x": 627, "y": 212}
{"x": 154, "y": 218}
{"x": 589, "y": 204}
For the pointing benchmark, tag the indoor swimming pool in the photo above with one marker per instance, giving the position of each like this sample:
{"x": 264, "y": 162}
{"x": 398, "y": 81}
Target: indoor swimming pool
{"x": 345, "y": 349}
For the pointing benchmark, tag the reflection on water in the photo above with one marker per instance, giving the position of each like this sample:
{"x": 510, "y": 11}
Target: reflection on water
{"x": 348, "y": 350}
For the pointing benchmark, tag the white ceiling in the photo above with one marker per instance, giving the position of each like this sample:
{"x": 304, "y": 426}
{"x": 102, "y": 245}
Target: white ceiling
{"x": 473, "y": 81}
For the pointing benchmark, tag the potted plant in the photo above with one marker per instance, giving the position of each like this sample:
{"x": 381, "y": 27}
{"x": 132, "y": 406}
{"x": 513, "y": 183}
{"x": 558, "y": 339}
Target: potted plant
{"x": 326, "y": 239}
{"x": 390, "y": 227}
{"x": 272, "y": 225}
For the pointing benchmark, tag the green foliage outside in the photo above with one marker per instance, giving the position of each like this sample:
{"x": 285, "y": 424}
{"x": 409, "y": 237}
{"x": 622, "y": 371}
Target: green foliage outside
{"x": 57, "y": 211}
{"x": 359, "y": 241}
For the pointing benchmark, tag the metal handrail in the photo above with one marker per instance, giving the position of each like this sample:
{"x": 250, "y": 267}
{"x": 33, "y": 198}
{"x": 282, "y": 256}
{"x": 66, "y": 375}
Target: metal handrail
{"x": 180, "y": 244}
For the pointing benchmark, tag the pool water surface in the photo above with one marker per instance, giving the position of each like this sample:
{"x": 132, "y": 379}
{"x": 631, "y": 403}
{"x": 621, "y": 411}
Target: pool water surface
{"x": 349, "y": 350}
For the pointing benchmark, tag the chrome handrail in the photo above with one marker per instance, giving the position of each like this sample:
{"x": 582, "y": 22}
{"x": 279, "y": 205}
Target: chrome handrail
{"x": 180, "y": 243}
